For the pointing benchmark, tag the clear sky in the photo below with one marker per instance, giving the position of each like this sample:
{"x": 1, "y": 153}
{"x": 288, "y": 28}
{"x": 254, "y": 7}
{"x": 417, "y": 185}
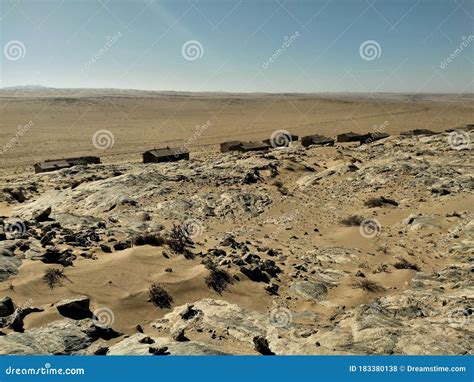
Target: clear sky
{"x": 317, "y": 46}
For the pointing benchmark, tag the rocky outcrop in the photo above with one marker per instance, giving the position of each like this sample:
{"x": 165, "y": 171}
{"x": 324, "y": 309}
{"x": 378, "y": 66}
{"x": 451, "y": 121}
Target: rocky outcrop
{"x": 63, "y": 337}
{"x": 75, "y": 308}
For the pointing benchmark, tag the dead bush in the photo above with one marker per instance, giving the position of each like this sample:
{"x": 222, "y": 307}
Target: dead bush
{"x": 380, "y": 202}
{"x": 154, "y": 239}
{"x": 159, "y": 296}
{"x": 217, "y": 279}
{"x": 53, "y": 276}
{"x": 368, "y": 285}
{"x": 405, "y": 264}
{"x": 353, "y": 220}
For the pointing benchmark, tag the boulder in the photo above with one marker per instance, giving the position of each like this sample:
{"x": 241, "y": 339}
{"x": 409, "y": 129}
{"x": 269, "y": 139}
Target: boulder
{"x": 76, "y": 308}
{"x": 64, "y": 337}
{"x": 134, "y": 345}
{"x": 310, "y": 290}
{"x": 6, "y": 306}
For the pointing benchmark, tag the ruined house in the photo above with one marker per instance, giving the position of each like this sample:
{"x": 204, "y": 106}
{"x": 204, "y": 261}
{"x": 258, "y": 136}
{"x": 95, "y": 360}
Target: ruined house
{"x": 58, "y": 164}
{"x": 165, "y": 155}
{"x": 316, "y": 140}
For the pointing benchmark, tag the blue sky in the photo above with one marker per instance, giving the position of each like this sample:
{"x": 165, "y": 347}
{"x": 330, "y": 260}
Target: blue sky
{"x": 64, "y": 44}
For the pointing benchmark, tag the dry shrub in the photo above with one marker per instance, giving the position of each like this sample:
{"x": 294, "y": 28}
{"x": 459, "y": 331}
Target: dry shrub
{"x": 405, "y": 264}
{"x": 380, "y": 202}
{"x": 154, "y": 239}
{"x": 53, "y": 276}
{"x": 353, "y": 220}
{"x": 159, "y": 296}
{"x": 217, "y": 279}
{"x": 368, "y": 285}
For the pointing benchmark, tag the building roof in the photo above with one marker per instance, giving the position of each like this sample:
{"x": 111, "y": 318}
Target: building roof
{"x": 167, "y": 151}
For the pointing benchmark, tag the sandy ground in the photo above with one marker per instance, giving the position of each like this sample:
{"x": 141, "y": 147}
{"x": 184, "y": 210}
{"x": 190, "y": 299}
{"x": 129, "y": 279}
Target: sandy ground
{"x": 64, "y": 123}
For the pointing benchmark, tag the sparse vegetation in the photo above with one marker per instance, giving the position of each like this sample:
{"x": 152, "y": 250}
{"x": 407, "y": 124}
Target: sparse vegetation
{"x": 380, "y": 202}
{"x": 154, "y": 239}
{"x": 180, "y": 241}
{"x": 159, "y": 296}
{"x": 53, "y": 276}
{"x": 353, "y": 220}
{"x": 368, "y": 285}
{"x": 217, "y": 279}
{"x": 405, "y": 264}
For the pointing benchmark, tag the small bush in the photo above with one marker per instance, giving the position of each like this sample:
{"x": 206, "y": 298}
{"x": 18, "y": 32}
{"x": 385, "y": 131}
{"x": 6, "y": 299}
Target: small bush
{"x": 153, "y": 239}
{"x": 353, "y": 220}
{"x": 159, "y": 296}
{"x": 53, "y": 276}
{"x": 405, "y": 264}
{"x": 368, "y": 285}
{"x": 180, "y": 241}
{"x": 380, "y": 202}
{"x": 218, "y": 280}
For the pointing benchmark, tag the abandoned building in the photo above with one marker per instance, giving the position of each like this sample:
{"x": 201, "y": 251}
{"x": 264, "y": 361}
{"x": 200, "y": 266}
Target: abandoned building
{"x": 58, "y": 164}
{"x": 253, "y": 146}
{"x": 166, "y": 154}
{"x": 230, "y": 146}
{"x": 281, "y": 140}
{"x": 418, "y": 132}
{"x": 316, "y": 140}
{"x": 244, "y": 146}
{"x": 348, "y": 137}
{"x": 372, "y": 137}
